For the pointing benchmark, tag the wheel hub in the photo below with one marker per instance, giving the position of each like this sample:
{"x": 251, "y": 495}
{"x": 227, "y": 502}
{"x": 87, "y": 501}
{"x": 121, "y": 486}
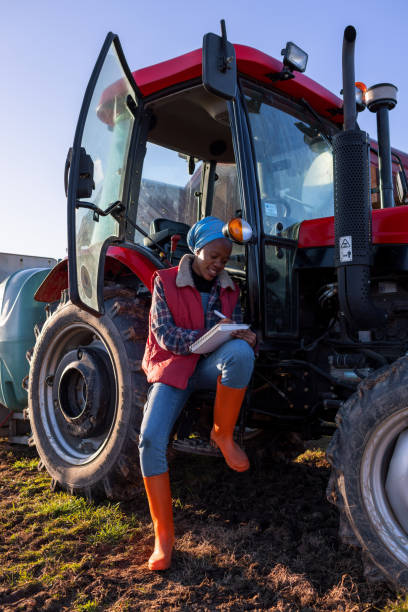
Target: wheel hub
{"x": 83, "y": 391}
{"x": 397, "y": 478}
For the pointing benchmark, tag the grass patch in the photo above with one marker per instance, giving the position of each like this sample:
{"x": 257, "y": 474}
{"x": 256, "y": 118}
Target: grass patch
{"x": 111, "y": 532}
{"x": 313, "y": 456}
{"x": 87, "y": 606}
{"x": 18, "y": 574}
{"x": 26, "y": 464}
{"x": 52, "y": 536}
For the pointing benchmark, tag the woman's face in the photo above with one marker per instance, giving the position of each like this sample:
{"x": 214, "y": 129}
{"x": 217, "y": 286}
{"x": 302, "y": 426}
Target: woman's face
{"x": 211, "y": 259}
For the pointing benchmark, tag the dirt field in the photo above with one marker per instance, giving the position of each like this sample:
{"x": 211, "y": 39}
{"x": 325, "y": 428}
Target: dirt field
{"x": 264, "y": 540}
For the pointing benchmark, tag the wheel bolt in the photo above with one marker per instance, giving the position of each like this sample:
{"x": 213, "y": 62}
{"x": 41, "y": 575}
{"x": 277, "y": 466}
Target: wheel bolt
{"x": 49, "y": 380}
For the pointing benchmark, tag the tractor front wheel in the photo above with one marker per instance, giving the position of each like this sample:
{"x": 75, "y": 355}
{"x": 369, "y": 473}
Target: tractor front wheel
{"x": 86, "y": 395}
{"x": 369, "y": 481}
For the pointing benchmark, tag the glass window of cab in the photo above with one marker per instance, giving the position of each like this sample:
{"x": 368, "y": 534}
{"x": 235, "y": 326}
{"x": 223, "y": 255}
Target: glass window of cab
{"x": 294, "y": 162}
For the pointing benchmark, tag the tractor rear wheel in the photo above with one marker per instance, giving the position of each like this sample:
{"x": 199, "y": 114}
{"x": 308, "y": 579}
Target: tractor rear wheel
{"x": 369, "y": 481}
{"x": 86, "y": 394}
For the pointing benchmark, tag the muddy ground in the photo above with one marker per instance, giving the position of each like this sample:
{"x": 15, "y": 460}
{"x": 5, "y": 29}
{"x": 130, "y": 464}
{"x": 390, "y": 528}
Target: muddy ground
{"x": 263, "y": 540}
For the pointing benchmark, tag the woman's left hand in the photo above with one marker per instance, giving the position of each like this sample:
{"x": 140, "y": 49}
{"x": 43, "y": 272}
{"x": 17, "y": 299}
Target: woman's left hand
{"x": 245, "y": 334}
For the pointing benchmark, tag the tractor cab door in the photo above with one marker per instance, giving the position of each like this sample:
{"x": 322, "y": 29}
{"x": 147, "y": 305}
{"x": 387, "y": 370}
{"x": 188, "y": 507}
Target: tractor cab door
{"x": 99, "y": 177}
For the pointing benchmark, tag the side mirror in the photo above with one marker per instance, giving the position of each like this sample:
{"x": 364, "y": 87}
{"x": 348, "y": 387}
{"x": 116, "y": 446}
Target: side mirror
{"x": 86, "y": 171}
{"x": 86, "y": 182}
{"x": 219, "y": 65}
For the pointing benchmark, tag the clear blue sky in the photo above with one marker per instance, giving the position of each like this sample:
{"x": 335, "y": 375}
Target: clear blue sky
{"x": 48, "y": 49}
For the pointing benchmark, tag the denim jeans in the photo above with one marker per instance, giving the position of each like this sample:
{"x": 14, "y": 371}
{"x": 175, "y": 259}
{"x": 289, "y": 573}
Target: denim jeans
{"x": 234, "y": 361}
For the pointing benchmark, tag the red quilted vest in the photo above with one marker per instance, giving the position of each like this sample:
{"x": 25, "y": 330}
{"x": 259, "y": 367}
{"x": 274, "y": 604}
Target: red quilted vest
{"x": 186, "y": 308}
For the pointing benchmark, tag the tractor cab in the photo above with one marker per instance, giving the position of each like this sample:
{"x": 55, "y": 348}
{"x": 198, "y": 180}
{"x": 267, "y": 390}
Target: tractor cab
{"x": 159, "y": 149}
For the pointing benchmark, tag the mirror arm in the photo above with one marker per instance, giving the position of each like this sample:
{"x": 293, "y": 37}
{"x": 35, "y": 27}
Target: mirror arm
{"x": 113, "y": 209}
{"x": 116, "y": 210}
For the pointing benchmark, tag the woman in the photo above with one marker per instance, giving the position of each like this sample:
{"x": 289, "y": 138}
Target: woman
{"x": 183, "y": 304}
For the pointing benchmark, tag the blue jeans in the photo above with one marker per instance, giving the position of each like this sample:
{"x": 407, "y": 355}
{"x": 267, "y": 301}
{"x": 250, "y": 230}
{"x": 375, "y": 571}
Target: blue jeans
{"x": 234, "y": 361}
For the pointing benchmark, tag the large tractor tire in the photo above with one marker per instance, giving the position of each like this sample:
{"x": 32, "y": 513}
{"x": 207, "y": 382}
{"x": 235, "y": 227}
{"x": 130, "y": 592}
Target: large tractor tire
{"x": 369, "y": 481}
{"x": 86, "y": 393}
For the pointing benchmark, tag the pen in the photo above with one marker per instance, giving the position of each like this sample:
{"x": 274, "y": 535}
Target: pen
{"x": 219, "y": 314}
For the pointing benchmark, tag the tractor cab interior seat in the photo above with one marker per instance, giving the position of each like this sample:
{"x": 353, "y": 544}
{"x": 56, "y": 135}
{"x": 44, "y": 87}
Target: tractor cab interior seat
{"x": 161, "y": 231}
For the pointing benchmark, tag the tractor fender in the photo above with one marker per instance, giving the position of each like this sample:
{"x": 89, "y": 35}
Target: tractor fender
{"x": 134, "y": 258}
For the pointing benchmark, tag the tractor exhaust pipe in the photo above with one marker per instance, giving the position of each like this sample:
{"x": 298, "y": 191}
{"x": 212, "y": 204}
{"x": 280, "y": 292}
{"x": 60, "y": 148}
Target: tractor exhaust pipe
{"x": 349, "y": 88}
{"x": 352, "y": 206}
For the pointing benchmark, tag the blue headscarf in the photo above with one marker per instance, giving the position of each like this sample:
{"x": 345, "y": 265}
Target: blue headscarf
{"x": 204, "y": 231}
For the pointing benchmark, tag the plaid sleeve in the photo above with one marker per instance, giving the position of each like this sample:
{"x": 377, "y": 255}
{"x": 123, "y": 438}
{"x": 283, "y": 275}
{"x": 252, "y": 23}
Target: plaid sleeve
{"x": 168, "y": 335}
{"x": 237, "y": 314}
{"x": 214, "y": 303}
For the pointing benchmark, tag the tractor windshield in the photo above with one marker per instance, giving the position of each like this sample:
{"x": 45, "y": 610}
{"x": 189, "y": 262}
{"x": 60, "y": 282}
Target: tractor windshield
{"x": 294, "y": 163}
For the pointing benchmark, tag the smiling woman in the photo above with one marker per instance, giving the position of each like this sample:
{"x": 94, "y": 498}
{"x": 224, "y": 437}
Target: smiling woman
{"x": 211, "y": 259}
{"x": 184, "y": 305}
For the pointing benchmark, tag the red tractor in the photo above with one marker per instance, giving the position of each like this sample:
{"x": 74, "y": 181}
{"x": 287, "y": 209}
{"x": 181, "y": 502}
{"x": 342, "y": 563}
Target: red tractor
{"x": 229, "y": 131}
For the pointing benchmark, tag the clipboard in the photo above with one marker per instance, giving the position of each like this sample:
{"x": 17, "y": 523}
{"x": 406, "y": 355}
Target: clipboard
{"x": 215, "y": 336}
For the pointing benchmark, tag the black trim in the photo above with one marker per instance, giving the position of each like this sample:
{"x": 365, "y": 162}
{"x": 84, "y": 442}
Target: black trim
{"x": 248, "y": 187}
{"x": 137, "y": 152}
{"x": 208, "y": 182}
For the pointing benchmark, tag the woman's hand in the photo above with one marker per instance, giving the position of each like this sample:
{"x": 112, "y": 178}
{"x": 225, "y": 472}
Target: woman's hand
{"x": 245, "y": 334}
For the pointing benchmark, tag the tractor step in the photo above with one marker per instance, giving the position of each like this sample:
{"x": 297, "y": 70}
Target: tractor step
{"x": 196, "y": 446}
{"x": 202, "y": 446}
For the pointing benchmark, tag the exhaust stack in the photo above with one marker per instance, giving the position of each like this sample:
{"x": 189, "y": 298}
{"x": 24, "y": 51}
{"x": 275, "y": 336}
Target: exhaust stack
{"x": 352, "y": 206}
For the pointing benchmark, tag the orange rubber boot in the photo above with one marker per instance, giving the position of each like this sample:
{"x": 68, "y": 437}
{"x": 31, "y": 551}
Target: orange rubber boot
{"x": 227, "y": 405}
{"x": 161, "y": 511}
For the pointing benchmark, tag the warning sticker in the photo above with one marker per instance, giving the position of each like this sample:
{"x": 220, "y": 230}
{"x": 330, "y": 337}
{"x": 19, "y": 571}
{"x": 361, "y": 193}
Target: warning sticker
{"x": 346, "y": 249}
{"x": 271, "y": 210}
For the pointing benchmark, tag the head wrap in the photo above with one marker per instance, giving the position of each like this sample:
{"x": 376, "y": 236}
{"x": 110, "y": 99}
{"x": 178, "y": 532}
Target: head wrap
{"x": 204, "y": 231}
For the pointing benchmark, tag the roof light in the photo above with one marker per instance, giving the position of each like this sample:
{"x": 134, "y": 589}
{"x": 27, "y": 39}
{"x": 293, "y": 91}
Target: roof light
{"x": 294, "y": 57}
{"x": 361, "y": 89}
{"x": 238, "y": 230}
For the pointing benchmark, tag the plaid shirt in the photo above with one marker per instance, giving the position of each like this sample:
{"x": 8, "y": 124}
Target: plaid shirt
{"x": 177, "y": 339}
